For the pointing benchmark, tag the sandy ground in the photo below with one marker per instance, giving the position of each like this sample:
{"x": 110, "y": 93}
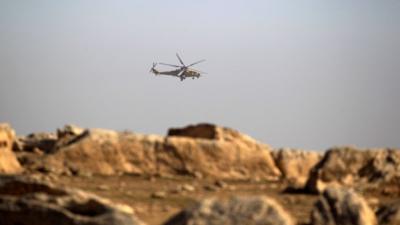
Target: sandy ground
{"x": 137, "y": 192}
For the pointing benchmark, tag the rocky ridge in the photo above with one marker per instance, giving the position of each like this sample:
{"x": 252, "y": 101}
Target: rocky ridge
{"x": 228, "y": 154}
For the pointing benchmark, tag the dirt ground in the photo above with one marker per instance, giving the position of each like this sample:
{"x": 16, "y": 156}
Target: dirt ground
{"x": 138, "y": 192}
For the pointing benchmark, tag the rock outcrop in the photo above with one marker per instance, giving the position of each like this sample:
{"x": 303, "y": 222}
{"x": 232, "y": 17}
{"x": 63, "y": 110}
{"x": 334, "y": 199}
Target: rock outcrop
{"x": 235, "y": 211}
{"x": 8, "y": 162}
{"x": 48, "y": 142}
{"x": 382, "y": 172}
{"x": 295, "y": 165}
{"x": 93, "y": 150}
{"x": 352, "y": 167}
{"x": 26, "y": 201}
{"x": 339, "y": 206}
{"x": 222, "y": 159}
{"x": 98, "y": 151}
{"x": 42, "y": 141}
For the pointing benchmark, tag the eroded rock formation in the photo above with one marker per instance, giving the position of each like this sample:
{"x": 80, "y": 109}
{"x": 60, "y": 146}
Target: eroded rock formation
{"x": 352, "y": 167}
{"x": 99, "y": 151}
{"x": 295, "y": 165}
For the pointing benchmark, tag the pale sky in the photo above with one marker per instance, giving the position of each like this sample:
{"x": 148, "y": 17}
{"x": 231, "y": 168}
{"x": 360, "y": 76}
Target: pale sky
{"x": 305, "y": 74}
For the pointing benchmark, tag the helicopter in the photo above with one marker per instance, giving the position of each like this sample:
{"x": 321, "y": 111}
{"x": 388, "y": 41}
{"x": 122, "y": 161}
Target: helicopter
{"x": 182, "y": 72}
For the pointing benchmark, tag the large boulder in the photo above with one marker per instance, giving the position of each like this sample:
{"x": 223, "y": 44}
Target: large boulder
{"x": 389, "y": 214}
{"x": 235, "y": 211}
{"x": 366, "y": 169}
{"x": 26, "y": 201}
{"x": 106, "y": 152}
{"x": 339, "y": 206}
{"x": 216, "y": 151}
{"x": 222, "y": 159}
{"x": 295, "y": 165}
{"x": 8, "y": 162}
{"x": 109, "y": 152}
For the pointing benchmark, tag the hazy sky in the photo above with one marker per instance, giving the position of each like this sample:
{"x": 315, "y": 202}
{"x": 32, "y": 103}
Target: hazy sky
{"x": 308, "y": 74}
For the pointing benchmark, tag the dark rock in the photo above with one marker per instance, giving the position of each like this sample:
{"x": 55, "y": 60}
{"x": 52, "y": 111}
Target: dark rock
{"x": 43, "y": 141}
{"x": 389, "y": 214}
{"x": 220, "y": 184}
{"x": 203, "y": 130}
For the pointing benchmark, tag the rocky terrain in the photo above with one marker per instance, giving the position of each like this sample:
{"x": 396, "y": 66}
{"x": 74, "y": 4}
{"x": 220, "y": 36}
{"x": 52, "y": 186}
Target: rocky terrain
{"x": 199, "y": 174}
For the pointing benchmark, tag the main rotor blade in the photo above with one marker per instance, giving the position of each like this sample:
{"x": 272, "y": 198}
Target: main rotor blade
{"x": 180, "y": 60}
{"x": 196, "y": 62}
{"x": 166, "y": 64}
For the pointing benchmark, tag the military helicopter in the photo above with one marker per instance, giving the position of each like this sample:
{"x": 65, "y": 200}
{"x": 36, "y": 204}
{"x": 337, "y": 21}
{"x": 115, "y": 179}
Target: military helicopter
{"x": 182, "y": 72}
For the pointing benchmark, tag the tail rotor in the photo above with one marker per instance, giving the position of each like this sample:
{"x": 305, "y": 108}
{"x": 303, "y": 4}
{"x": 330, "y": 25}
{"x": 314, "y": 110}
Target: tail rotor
{"x": 153, "y": 70}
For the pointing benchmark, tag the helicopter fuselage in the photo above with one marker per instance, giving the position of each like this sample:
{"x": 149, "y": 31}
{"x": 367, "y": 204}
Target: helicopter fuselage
{"x": 186, "y": 73}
